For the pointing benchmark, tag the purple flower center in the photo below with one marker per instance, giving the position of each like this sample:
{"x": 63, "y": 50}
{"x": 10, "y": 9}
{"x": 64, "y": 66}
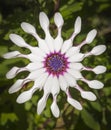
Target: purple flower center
{"x": 56, "y": 63}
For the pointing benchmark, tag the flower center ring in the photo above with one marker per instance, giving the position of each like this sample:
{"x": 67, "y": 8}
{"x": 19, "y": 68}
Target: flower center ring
{"x": 56, "y": 63}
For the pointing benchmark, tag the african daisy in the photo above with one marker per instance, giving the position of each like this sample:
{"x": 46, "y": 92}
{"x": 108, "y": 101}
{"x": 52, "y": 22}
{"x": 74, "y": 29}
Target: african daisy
{"x": 55, "y": 64}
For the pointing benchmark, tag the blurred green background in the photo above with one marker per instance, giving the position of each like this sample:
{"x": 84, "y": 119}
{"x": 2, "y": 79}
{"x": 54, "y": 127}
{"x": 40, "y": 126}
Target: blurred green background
{"x": 95, "y": 115}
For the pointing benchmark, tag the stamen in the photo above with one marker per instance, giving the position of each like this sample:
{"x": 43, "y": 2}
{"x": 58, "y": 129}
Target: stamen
{"x": 56, "y": 63}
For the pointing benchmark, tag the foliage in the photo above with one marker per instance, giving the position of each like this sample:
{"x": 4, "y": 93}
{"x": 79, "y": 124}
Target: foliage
{"x": 95, "y": 115}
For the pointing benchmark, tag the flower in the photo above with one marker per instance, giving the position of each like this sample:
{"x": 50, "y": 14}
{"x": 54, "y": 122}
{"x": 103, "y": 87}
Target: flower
{"x": 55, "y": 64}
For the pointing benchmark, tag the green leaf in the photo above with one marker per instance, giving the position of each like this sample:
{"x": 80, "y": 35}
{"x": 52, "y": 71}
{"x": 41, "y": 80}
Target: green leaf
{"x": 3, "y": 49}
{"x": 89, "y": 120}
{"x": 5, "y": 117}
{"x": 107, "y": 91}
{"x": 96, "y": 106}
{"x": 28, "y": 106}
{"x": 67, "y": 10}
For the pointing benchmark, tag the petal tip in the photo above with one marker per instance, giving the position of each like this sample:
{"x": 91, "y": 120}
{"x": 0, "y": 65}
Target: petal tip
{"x": 77, "y": 25}
{"x": 90, "y": 36}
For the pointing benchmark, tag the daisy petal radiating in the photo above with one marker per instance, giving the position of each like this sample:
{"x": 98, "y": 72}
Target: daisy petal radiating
{"x": 88, "y": 95}
{"x": 74, "y": 103}
{"x": 66, "y": 45}
{"x": 58, "y": 20}
{"x": 75, "y": 73}
{"x": 55, "y": 88}
{"x": 47, "y": 91}
{"x": 11, "y": 54}
{"x": 55, "y": 109}
{"x": 90, "y": 36}
{"x": 30, "y": 67}
{"x": 76, "y": 66}
{"x": 12, "y": 73}
{"x": 57, "y": 46}
{"x": 99, "y": 69}
{"x": 37, "y": 51}
{"x": 97, "y": 50}
{"x": 58, "y": 41}
{"x": 72, "y": 51}
{"x": 63, "y": 83}
{"x": 41, "y": 104}
{"x": 48, "y": 85}
{"x": 43, "y": 46}
{"x": 94, "y": 84}
{"x": 70, "y": 80}
{"x": 32, "y": 57}
{"x": 35, "y": 74}
{"x": 45, "y": 26}
{"x": 44, "y": 21}
{"x": 17, "y": 85}
{"x": 19, "y": 41}
{"x": 28, "y": 28}
{"x": 77, "y": 28}
{"x": 25, "y": 96}
{"x": 77, "y": 25}
{"x": 34, "y": 66}
{"x": 40, "y": 81}
{"x": 76, "y": 57}
{"x": 54, "y": 64}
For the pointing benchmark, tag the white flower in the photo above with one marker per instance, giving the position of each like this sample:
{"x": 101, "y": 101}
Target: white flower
{"x": 54, "y": 64}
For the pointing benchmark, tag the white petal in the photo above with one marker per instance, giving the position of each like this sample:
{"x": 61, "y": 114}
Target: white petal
{"x": 38, "y": 52}
{"x": 55, "y": 109}
{"x": 34, "y": 66}
{"x": 77, "y": 26}
{"x": 12, "y": 73}
{"x": 70, "y": 80}
{"x": 49, "y": 41}
{"x": 17, "y": 85}
{"x": 48, "y": 85}
{"x": 72, "y": 51}
{"x": 76, "y": 57}
{"x": 62, "y": 82}
{"x": 58, "y": 20}
{"x": 16, "y": 54}
{"x": 88, "y": 95}
{"x": 99, "y": 69}
{"x": 97, "y": 50}
{"x": 28, "y": 28}
{"x": 58, "y": 43}
{"x": 44, "y": 21}
{"x": 76, "y": 66}
{"x": 74, "y": 103}
{"x": 66, "y": 45}
{"x": 95, "y": 84}
{"x": 75, "y": 73}
{"x": 35, "y": 74}
{"x": 41, "y": 104}
{"x": 11, "y": 54}
{"x": 41, "y": 43}
{"x": 32, "y": 57}
{"x": 25, "y": 96}
{"x": 55, "y": 86}
{"x": 90, "y": 36}
{"x": 30, "y": 67}
{"x": 42, "y": 101}
{"x": 40, "y": 81}
{"x": 18, "y": 40}
{"x": 43, "y": 46}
